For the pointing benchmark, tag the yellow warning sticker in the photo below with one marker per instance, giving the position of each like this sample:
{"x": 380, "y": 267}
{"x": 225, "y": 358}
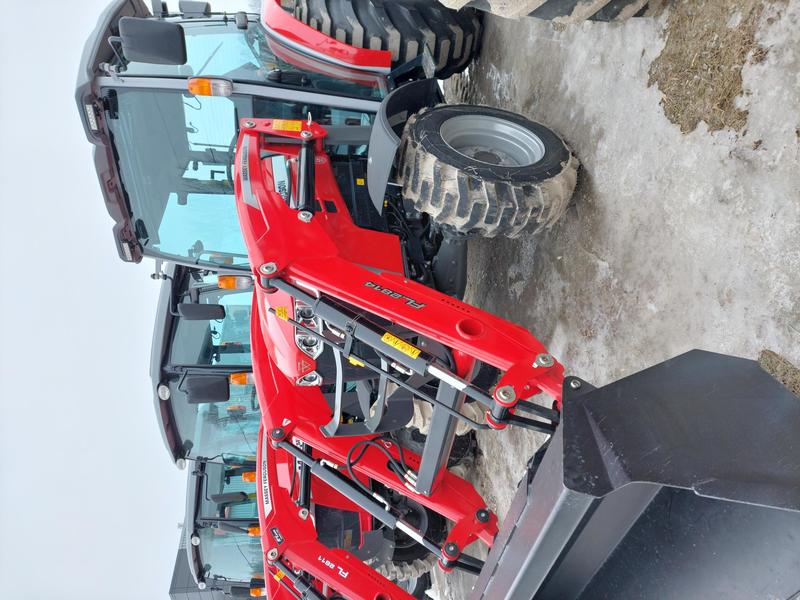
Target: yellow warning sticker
{"x": 279, "y": 575}
{"x": 401, "y": 345}
{"x": 287, "y": 125}
{"x": 360, "y": 181}
{"x": 355, "y": 361}
{"x": 282, "y": 313}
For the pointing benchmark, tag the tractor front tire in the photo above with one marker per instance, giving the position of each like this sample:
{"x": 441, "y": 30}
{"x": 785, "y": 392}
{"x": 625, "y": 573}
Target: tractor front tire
{"x": 481, "y": 171}
{"x": 403, "y": 27}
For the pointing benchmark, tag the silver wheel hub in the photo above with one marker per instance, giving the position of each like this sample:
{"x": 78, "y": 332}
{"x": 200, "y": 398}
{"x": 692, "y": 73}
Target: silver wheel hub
{"x": 492, "y": 140}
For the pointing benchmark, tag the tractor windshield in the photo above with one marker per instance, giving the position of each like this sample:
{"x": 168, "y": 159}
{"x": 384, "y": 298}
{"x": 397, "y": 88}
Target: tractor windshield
{"x": 226, "y": 510}
{"x": 216, "y": 48}
{"x": 223, "y": 341}
{"x": 175, "y": 155}
{"x": 217, "y": 430}
{"x": 175, "y": 151}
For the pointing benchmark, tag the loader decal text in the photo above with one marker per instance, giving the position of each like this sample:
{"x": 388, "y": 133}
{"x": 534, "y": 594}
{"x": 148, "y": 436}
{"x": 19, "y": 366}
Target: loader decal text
{"x": 392, "y": 294}
{"x": 280, "y": 179}
{"x": 265, "y": 479}
{"x": 333, "y": 566}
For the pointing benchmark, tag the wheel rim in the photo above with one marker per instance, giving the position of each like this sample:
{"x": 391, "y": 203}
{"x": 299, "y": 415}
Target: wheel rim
{"x": 492, "y": 140}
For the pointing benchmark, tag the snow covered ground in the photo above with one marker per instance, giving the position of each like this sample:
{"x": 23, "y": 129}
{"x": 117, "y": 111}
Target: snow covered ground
{"x": 675, "y": 241}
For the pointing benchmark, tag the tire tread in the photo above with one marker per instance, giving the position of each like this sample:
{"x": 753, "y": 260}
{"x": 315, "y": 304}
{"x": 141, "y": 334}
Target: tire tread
{"x": 403, "y": 27}
{"x": 465, "y": 204}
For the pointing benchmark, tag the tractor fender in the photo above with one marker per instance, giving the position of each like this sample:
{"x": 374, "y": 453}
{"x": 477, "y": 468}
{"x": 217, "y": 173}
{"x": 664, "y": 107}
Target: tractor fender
{"x": 384, "y": 139}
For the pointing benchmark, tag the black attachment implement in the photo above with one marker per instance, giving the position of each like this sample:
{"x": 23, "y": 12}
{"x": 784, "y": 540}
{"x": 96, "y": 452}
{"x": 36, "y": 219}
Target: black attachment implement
{"x": 659, "y": 484}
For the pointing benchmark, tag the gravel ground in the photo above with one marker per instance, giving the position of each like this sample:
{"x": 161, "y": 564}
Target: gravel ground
{"x": 675, "y": 241}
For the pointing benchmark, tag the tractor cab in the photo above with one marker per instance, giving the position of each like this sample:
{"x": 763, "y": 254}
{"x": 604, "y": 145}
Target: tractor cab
{"x": 161, "y": 98}
{"x": 201, "y": 365}
{"x": 221, "y": 527}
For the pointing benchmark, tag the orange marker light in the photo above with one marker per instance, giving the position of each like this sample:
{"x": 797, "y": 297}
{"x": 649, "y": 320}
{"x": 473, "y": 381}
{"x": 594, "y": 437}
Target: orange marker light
{"x": 254, "y": 531}
{"x": 240, "y": 378}
{"x": 209, "y": 86}
{"x": 256, "y": 592}
{"x": 234, "y": 282}
{"x": 249, "y": 476}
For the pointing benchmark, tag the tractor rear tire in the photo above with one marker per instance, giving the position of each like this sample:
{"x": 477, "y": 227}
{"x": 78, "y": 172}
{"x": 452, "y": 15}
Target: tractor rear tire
{"x": 481, "y": 171}
{"x": 403, "y": 27}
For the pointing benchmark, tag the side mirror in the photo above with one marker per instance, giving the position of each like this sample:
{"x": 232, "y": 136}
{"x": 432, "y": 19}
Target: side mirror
{"x": 201, "y": 312}
{"x": 152, "y": 41}
{"x": 205, "y": 389}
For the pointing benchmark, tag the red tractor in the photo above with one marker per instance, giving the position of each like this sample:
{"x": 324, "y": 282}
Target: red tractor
{"x": 329, "y": 174}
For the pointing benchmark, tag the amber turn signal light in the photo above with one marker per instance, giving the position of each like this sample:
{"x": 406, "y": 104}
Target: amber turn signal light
{"x": 209, "y": 86}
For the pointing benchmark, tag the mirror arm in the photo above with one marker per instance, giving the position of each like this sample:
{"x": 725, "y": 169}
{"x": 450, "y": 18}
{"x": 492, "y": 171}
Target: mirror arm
{"x": 114, "y": 41}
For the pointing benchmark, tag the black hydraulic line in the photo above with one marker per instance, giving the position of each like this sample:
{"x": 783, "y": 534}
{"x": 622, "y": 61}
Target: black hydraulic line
{"x": 399, "y": 469}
